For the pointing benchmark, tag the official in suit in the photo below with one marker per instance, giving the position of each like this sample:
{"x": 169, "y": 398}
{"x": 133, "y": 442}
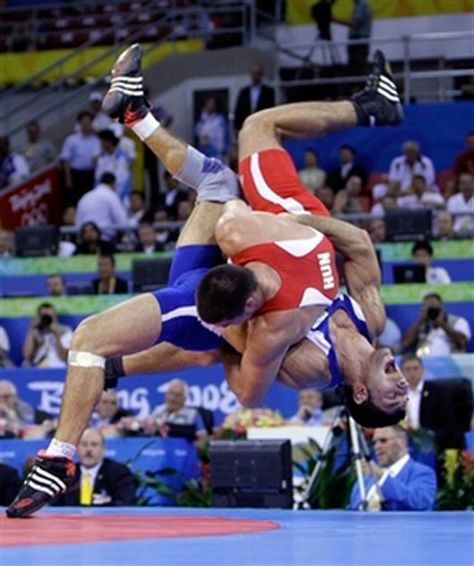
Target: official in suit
{"x": 337, "y": 178}
{"x": 395, "y": 482}
{"x": 252, "y": 98}
{"x": 443, "y": 406}
{"x": 108, "y": 283}
{"x": 101, "y": 481}
{"x": 10, "y": 484}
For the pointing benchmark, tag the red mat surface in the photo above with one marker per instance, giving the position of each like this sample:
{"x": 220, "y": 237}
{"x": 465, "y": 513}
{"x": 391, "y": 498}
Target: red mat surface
{"x": 75, "y": 529}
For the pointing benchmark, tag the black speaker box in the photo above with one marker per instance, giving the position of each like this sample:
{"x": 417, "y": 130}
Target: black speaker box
{"x": 150, "y": 274}
{"x": 251, "y": 473}
{"x": 36, "y": 241}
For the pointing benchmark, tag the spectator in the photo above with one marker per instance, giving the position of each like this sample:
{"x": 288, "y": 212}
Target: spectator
{"x": 6, "y": 244}
{"x": 349, "y": 201}
{"x": 78, "y": 155}
{"x": 404, "y": 167}
{"x": 103, "y": 207}
{"x": 115, "y": 161}
{"x": 463, "y": 202}
{"x": 326, "y": 196}
{"x": 212, "y": 130}
{"x": 310, "y": 403}
{"x": 391, "y": 337}
{"x": 437, "y": 333}
{"x": 90, "y": 241}
{"x": 174, "y": 412}
{"x": 136, "y": 212}
{"x": 147, "y": 241}
{"x": 10, "y": 484}
{"x": 443, "y": 406}
{"x": 422, "y": 253}
{"x": 464, "y": 162}
{"x": 5, "y": 360}
{"x": 252, "y": 98}
{"x": 337, "y": 178}
{"x": 419, "y": 196}
{"x": 107, "y": 413}
{"x": 108, "y": 283}
{"x": 312, "y": 176}
{"x": 164, "y": 236}
{"x": 395, "y": 482}
{"x": 47, "y": 341}
{"x": 13, "y": 166}
{"x": 100, "y": 481}
{"x": 13, "y": 410}
{"x": 360, "y": 27}
{"x": 56, "y": 285}
{"x": 100, "y": 120}
{"x": 444, "y": 226}
{"x": 387, "y": 205}
{"x": 38, "y": 151}
{"x": 185, "y": 207}
{"x": 378, "y": 231}
{"x": 175, "y": 193}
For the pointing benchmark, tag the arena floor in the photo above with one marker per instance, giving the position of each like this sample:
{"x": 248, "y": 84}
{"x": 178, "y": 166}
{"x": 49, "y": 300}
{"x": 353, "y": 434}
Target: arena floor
{"x": 226, "y": 537}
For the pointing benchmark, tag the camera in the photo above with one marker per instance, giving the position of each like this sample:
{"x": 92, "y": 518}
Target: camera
{"x": 45, "y": 321}
{"x": 433, "y": 312}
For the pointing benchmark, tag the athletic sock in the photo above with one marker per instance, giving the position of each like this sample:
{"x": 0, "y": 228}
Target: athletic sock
{"x": 145, "y": 127}
{"x": 62, "y": 449}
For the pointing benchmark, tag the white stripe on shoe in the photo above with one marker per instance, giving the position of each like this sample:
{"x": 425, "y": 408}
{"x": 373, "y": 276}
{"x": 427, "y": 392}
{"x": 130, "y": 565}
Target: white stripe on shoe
{"x": 47, "y": 476}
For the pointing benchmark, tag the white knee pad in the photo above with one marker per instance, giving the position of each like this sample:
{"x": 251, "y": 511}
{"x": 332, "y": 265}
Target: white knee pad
{"x": 85, "y": 360}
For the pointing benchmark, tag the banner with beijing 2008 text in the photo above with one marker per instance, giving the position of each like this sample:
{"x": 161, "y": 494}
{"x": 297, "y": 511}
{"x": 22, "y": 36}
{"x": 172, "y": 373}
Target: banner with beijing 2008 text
{"x": 35, "y": 202}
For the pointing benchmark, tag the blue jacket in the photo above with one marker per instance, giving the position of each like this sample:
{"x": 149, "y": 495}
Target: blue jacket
{"x": 413, "y": 489}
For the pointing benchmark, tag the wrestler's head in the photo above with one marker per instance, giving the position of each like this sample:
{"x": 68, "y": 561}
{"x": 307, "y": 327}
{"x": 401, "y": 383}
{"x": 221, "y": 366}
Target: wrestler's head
{"x": 227, "y": 295}
{"x": 381, "y": 399}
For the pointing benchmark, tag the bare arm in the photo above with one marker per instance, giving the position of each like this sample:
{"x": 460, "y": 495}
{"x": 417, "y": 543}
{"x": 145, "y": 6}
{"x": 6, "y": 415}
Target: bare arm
{"x": 361, "y": 267}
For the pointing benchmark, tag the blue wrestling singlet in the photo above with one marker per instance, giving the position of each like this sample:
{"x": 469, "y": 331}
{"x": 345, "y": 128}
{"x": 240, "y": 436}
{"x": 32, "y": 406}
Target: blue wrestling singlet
{"x": 181, "y": 324}
{"x": 320, "y": 336}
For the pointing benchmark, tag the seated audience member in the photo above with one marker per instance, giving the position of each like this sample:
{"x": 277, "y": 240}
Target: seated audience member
{"x": 147, "y": 241}
{"x": 395, "y": 482}
{"x": 108, "y": 283}
{"x": 175, "y": 194}
{"x": 47, "y": 341}
{"x": 175, "y": 412}
{"x": 436, "y": 332}
{"x": 13, "y": 166}
{"x": 386, "y": 205}
{"x": 444, "y": 226}
{"x": 391, "y": 337}
{"x": 115, "y": 161}
{"x": 5, "y": 360}
{"x": 165, "y": 236}
{"x": 406, "y": 166}
{"x": 38, "y": 150}
{"x": 348, "y": 200}
{"x": 311, "y": 175}
{"x": 137, "y": 212}
{"x": 10, "y": 484}
{"x": 310, "y": 403}
{"x": 443, "y": 406}
{"x": 185, "y": 207}
{"x": 464, "y": 161}
{"x": 326, "y": 196}
{"x": 102, "y": 206}
{"x": 107, "y": 411}
{"x": 90, "y": 241}
{"x": 337, "y": 178}
{"x": 100, "y": 120}
{"x": 461, "y": 203}
{"x": 56, "y": 285}
{"x": 420, "y": 196}
{"x": 101, "y": 481}
{"x": 377, "y": 231}
{"x": 6, "y": 244}
{"x": 422, "y": 253}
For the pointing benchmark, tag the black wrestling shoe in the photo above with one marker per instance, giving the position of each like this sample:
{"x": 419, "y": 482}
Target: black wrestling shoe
{"x": 379, "y": 103}
{"x": 125, "y": 100}
{"x": 49, "y": 477}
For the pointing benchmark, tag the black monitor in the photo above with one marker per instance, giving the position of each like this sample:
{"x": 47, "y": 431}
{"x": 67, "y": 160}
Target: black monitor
{"x": 409, "y": 273}
{"x": 150, "y": 274}
{"x": 36, "y": 241}
{"x": 251, "y": 473}
{"x": 408, "y": 225}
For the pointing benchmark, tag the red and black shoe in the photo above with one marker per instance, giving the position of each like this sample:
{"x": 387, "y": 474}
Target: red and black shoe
{"x": 379, "y": 103}
{"x": 125, "y": 100}
{"x": 49, "y": 477}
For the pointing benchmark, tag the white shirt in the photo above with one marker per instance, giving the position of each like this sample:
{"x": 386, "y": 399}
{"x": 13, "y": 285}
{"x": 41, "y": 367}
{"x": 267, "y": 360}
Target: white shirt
{"x": 117, "y": 163}
{"x": 254, "y": 96}
{"x": 437, "y": 276}
{"x": 52, "y": 359}
{"x": 402, "y": 172}
{"x": 81, "y": 151}
{"x": 93, "y": 473}
{"x": 437, "y": 342}
{"x": 374, "y": 496}
{"x": 413, "y": 407}
{"x": 4, "y": 340}
{"x": 427, "y": 200}
{"x": 457, "y": 204}
{"x": 102, "y": 206}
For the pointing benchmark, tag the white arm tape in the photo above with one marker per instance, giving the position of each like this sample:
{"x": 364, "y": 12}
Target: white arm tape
{"x": 85, "y": 360}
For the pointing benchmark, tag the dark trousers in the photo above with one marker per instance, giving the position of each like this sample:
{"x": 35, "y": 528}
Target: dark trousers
{"x": 82, "y": 182}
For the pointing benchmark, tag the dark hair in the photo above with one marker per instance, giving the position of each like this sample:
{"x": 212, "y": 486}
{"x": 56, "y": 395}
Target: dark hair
{"x": 367, "y": 414}
{"x": 108, "y": 256}
{"x": 51, "y": 275}
{"x": 223, "y": 291}
{"x": 45, "y": 305}
{"x": 94, "y": 226}
{"x": 347, "y": 146}
{"x": 108, "y": 136}
{"x": 84, "y": 114}
{"x": 409, "y": 358}
{"x": 433, "y": 296}
{"x": 422, "y": 245}
{"x": 107, "y": 178}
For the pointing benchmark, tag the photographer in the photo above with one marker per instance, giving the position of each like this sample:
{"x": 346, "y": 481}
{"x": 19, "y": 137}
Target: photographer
{"x": 437, "y": 333}
{"x": 47, "y": 342}
{"x": 310, "y": 402}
